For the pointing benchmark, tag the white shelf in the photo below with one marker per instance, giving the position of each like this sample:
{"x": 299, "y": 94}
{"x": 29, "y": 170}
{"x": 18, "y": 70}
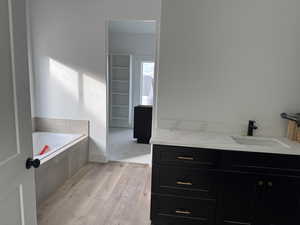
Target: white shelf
{"x": 119, "y": 118}
{"x": 120, "y": 67}
{"x": 119, "y": 93}
{"x": 120, "y": 81}
{"x": 120, "y": 106}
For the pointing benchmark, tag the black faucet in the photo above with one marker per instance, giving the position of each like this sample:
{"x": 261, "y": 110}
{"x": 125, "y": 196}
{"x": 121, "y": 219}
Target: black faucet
{"x": 251, "y": 127}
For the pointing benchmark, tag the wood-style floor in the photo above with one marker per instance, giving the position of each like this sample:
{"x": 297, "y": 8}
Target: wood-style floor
{"x": 101, "y": 194}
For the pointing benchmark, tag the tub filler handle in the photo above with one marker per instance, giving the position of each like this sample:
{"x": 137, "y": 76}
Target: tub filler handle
{"x": 32, "y": 163}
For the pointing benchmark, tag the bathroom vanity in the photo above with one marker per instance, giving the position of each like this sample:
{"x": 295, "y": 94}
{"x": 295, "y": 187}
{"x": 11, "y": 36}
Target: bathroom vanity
{"x": 210, "y": 179}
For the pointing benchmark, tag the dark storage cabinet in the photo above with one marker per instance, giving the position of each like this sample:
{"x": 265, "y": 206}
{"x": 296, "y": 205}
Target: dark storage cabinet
{"x": 142, "y": 123}
{"x": 215, "y": 187}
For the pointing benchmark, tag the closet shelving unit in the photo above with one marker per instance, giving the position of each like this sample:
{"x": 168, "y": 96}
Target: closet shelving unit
{"x": 120, "y": 90}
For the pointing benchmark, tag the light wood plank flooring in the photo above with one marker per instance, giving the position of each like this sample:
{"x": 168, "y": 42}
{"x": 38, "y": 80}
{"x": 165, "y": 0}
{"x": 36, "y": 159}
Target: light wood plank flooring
{"x": 101, "y": 194}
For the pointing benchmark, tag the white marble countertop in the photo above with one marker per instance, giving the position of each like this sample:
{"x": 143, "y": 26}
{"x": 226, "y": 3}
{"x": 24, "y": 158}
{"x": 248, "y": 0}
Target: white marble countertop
{"x": 221, "y": 142}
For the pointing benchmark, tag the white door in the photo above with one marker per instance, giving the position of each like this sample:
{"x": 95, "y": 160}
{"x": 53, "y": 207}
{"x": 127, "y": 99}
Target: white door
{"x": 17, "y": 189}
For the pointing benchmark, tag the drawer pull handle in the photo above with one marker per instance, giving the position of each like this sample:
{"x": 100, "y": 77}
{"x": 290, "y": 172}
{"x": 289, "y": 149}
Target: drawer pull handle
{"x": 184, "y": 183}
{"x": 183, "y": 212}
{"x": 185, "y": 158}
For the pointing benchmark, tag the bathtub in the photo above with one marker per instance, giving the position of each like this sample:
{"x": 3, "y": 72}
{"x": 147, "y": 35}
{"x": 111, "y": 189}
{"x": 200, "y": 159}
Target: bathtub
{"x": 67, "y": 154}
{"x": 57, "y": 142}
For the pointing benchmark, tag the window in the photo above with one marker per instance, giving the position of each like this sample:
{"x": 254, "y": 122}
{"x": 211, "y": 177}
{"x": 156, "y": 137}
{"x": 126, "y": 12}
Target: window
{"x": 147, "y": 83}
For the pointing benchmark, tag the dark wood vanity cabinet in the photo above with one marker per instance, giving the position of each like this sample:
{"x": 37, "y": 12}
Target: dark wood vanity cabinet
{"x": 237, "y": 201}
{"x": 192, "y": 186}
{"x": 258, "y": 200}
{"x": 282, "y": 201}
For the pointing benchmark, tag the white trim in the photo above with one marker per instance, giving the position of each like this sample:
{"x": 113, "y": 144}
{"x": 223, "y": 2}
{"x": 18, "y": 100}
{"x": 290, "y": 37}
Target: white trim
{"x": 30, "y": 59}
{"x": 156, "y": 75}
{"x": 21, "y": 194}
{"x": 13, "y": 70}
{"x": 107, "y": 70}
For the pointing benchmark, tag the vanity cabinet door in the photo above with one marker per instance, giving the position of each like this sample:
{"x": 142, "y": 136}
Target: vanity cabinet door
{"x": 239, "y": 199}
{"x": 282, "y": 201}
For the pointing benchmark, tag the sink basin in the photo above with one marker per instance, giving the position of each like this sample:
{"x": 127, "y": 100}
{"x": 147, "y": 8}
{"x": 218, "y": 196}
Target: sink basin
{"x": 262, "y": 142}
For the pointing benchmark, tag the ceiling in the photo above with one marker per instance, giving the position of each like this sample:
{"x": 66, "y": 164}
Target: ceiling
{"x": 133, "y": 26}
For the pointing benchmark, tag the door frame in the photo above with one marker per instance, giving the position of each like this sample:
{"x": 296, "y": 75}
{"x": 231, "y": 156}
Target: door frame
{"x": 155, "y": 59}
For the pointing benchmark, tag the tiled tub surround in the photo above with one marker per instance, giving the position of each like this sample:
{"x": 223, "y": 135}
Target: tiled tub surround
{"x": 52, "y": 174}
{"x": 60, "y": 125}
{"x": 68, "y": 158}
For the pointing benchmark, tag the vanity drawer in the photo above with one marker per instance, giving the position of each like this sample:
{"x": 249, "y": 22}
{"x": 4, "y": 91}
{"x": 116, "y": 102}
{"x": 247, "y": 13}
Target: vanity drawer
{"x": 184, "y": 181}
{"x": 172, "y": 220}
{"x": 185, "y": 156}
{"x": 261, "y": 162}
{"x": 174, "y": 210}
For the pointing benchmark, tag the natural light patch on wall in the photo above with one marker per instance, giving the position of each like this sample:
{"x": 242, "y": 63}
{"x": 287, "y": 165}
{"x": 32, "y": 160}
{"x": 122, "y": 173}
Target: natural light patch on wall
{"x": 94, "y": 92}
{"x": 66, "y": 76}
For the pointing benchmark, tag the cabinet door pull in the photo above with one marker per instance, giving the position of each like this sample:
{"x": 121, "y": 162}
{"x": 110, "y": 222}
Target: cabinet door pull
{"x": 183, "y": 212}
{"x": 184, "y": 183}
{"x": 270, "y": 184}
{"x": 185, "y": 158}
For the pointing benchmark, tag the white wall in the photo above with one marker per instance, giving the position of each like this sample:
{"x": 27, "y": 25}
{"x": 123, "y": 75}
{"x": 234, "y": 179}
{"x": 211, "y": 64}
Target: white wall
{"x": 136, "y": 44}
{"x": 69, "y": 59}
{"x": 142, "y": 47}
{"x": 223, "y": 62}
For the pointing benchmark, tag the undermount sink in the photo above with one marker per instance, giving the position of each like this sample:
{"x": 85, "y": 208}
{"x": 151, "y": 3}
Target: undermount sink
{"x": 262, "y": 142}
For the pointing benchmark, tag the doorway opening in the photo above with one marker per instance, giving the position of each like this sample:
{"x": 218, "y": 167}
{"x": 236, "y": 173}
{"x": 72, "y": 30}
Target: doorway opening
{"x": 131, "y": 71}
